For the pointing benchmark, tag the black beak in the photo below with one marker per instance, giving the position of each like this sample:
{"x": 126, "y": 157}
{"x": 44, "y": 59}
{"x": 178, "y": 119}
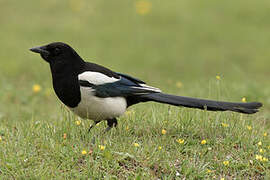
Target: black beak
{"x": 41, "y": 50}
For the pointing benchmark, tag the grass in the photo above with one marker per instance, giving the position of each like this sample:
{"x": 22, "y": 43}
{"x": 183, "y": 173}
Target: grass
{"x": 188, "y": 42}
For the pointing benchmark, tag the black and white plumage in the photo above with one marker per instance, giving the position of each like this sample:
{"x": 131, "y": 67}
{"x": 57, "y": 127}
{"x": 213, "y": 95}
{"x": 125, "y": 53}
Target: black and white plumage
{"x": 95, "y": 92}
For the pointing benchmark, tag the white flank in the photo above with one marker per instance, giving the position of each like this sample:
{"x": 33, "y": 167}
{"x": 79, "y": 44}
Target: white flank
{"x": 97, "y": 109}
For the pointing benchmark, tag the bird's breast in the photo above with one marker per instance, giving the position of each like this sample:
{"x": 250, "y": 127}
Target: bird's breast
{"x": 95, "y": 108}
{"x": 67, "y": 89}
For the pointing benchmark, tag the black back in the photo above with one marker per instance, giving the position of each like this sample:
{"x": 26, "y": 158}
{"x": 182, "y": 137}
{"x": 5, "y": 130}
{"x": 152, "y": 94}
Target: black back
{"x": 98, "y": 68}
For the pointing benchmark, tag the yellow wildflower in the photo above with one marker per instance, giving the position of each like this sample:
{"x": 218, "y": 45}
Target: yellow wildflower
{"x": 1, "y": 139}
{"x": 101, "y": 147}
{"x": 179, "y": 84}
{"x": 36, "y": 88}
{"x": 265, "y": 134}
{"x": 78, "y": 122}
{"x": 203, "y": 141}
{"x": 180, "y": 141}
{"x": 163, "y": 131}
{"x": 84, "y": 152}
{"x": 222, "y": 178}
{"x": 217, "y": 77}
{"x": 225, "y": 125}
{"x": 259, "y": 143}
{"x": 249, "y": 127}
{"x": 136, "y": 145}
{"x": 261, "y": 150}
{"x": 159, "y": 147}
{"x": 226, "y": 163}
{"x": 244, "y": 99}
{"x": 259, "y": 157}
{"x": 209, "y": 171}
{"x": 143, "y": 7}
{"x": 127, "y": 128}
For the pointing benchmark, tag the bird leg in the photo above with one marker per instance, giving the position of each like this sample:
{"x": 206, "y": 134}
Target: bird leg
{"x": 111, "y": 123}
{"x": 93, "y": 125}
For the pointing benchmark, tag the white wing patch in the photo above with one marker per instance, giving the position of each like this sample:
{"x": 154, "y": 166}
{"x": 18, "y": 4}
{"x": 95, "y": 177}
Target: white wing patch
{"x": 96, "y": 78}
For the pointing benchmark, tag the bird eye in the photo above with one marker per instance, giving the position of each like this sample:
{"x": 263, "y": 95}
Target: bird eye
{"x": 57, "y": 51}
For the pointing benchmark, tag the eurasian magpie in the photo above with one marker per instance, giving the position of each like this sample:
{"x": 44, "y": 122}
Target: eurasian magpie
{"x": 94, "y": 92}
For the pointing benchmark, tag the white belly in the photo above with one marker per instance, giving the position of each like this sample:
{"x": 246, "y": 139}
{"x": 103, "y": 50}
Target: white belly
{"x": 97, "y": 109}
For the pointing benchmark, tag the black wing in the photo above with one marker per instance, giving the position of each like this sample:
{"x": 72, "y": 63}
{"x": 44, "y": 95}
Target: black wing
{"x": 131, "y": 78}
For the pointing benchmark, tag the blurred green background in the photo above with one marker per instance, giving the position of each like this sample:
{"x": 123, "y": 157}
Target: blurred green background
{"x": 160, "y": 42}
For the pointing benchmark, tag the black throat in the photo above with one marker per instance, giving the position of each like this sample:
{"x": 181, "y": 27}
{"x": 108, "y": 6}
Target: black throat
{"x": 65, "y": 81}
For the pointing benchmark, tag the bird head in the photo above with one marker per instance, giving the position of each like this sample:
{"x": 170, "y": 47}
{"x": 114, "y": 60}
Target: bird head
{"x": 56, "y": 51}
{"x": 59, "y": 55}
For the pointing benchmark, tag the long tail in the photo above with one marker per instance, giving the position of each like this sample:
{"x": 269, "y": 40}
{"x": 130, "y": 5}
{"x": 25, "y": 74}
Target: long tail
{"x": 210, "y": 105}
